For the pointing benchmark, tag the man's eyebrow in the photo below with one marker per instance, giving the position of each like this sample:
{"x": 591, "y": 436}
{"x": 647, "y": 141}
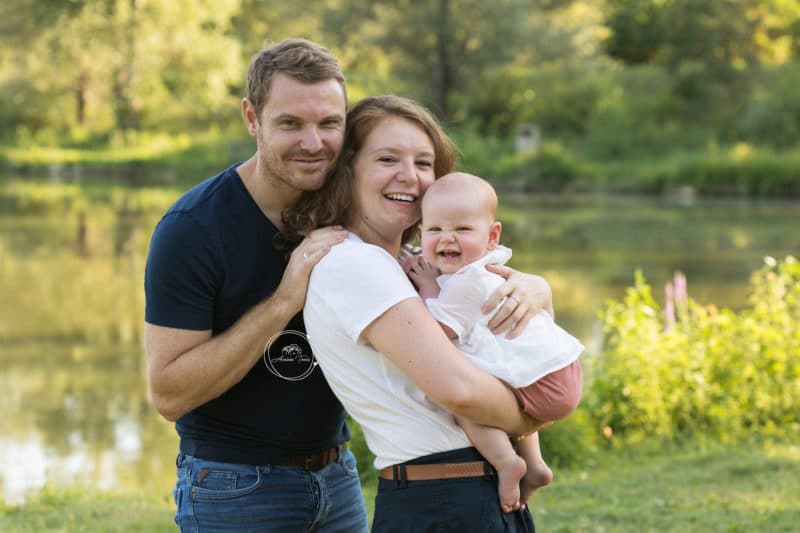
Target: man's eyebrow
{"x": 284, "y": 116}
{"x": 290, "y": 116}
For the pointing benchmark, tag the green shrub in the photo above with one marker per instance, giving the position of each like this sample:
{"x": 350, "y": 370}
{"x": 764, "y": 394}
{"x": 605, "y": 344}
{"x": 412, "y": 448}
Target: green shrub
{"x": 364, "y": 458}
{"x": 773, "y": 115}
{"x": 551, "y": 168}
{"x": 479, "y": 153}
{"x": 570, "y": 442}
{"x": 752, "y": 174}
{"x": 691, "y": 370}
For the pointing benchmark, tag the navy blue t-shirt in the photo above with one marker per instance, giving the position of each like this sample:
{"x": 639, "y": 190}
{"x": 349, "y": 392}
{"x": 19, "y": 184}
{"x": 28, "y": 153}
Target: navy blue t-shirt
{"x": 211, "y": 259}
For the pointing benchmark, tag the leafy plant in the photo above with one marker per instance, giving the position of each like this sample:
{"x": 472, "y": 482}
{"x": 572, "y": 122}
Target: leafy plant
{"x": 696, "y": 370}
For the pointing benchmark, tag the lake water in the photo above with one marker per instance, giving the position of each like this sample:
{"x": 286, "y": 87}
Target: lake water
{"x": 72, "y": 379}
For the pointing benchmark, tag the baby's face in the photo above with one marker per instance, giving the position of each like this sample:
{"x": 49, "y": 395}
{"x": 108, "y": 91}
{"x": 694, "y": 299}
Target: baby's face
{"x": 455, "y": 231}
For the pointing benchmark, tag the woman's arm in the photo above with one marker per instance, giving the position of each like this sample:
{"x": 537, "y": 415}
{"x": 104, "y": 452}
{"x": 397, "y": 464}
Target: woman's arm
{"x": 408, "y": 335}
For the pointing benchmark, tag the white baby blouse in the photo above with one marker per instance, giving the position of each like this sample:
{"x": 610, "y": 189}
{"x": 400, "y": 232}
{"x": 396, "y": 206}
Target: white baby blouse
{"x": 542, "y": 348}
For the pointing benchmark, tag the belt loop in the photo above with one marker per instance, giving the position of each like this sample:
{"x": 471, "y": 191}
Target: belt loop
{"x": 399, "y": 474}
{"x": 402, "y": 477}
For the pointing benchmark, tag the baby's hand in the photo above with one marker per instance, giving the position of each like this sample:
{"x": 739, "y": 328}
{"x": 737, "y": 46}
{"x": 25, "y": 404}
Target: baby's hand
{"x": 423, "y": 275}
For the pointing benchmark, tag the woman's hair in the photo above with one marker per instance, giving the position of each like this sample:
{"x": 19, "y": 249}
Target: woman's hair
{"x": 332, "y": 203}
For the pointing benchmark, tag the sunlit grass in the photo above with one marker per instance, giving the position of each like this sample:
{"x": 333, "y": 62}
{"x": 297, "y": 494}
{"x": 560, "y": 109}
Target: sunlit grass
{"x": 748, "y": 488}
{"x": 751, "y": 488}
{"x": 123, "y": 147}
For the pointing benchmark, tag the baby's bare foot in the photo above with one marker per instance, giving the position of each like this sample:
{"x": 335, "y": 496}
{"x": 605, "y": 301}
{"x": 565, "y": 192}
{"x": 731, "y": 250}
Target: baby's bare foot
{"x": 508, "y": 483}
{"x": 537, "y": 476}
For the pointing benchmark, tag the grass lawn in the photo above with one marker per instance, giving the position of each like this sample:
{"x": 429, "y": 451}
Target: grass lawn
{"x": 735, "y": 489}
{"x": 727, "y": 490}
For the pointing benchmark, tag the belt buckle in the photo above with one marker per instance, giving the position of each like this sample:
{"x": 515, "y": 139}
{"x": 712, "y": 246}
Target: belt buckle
{"x": 308, "y": 460}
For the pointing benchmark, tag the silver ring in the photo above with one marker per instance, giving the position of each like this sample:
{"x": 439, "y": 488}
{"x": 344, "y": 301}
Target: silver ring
{"x": 305, "y": 255}
{"x": 514, "y": 298}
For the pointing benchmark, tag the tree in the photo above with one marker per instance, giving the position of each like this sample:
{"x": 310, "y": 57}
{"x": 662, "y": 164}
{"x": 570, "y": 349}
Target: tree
{"x": 436, "y": 48}
{"x": 98, "y": 66}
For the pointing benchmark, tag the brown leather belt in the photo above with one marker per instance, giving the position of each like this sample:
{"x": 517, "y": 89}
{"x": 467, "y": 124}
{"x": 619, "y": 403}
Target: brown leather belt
{"x": 436, "y": 471}
{"x": 317, "y": 460}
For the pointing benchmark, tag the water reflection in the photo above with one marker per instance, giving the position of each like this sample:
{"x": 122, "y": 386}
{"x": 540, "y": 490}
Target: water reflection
{"x": 72, "y": 380}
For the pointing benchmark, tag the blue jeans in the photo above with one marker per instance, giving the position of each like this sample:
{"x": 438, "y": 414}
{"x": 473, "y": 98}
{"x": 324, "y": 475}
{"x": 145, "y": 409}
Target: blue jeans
{"x": 247, "y": 498}
{"x": 459, "y": 505}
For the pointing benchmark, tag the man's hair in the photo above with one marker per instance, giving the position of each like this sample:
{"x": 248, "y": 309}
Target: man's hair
{"x": 301, "y": 59}
{"x": 332, "y": 203}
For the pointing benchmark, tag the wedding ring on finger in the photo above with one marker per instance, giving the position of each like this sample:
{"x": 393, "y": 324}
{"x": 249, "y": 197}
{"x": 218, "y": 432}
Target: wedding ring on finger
{"x": 305, "y": 255}
{"x": 512, "y": 297}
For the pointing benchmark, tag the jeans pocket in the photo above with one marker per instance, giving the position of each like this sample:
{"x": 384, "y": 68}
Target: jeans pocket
{"x": 224, "y": 482}
{"x": 348, "y": 463}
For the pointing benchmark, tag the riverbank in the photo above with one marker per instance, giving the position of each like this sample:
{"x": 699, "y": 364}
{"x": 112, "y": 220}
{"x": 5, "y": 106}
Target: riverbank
{"x": 734, "y": 488}
{"x": 739, "y": 170}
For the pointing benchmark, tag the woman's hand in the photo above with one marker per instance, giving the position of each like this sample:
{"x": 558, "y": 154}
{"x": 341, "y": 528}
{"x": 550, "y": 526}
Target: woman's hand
{"x": 525, "y": 295}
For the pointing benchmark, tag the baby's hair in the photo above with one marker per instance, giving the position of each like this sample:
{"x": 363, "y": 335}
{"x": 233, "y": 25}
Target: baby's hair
{"x": 459, "y": 181}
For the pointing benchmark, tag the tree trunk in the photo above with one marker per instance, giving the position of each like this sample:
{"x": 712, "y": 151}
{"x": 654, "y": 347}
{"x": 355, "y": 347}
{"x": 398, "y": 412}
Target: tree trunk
{"x": 81, "y": 86}
{"x": 444, "y": 69}
{"x": 125, "y": 112}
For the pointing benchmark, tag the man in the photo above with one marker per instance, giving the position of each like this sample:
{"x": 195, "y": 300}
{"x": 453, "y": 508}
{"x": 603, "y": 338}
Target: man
{"x": 262, "y": 442}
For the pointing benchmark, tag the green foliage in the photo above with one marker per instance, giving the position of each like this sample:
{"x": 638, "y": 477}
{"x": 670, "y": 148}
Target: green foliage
{"x": 613, "y": 83}
{"x": 772, "y": 117}
{"x": 550, "y": 168}
{"x": 478, "y": 153}
{"x": 566, "y": 97}
{"x": 364, "y": 458}
{"x": 124, "y": 65}
{"x": 637, "y": 30}
{"x": 741, "y": 171}
{"x": 571, "y": 442}
{"x": 701, "y": 371}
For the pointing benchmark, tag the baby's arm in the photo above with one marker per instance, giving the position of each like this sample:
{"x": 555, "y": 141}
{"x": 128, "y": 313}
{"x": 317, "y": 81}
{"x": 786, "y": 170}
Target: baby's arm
{"x": 423, "y": 275}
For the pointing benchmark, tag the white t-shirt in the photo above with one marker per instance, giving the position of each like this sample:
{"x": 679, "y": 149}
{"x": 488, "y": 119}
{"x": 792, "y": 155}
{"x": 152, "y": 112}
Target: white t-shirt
{"x": 349, "y": 288}
{"x": 542, "y": 348}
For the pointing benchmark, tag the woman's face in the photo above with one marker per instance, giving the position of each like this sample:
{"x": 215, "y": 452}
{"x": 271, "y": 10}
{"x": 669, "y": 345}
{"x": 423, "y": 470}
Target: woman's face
{"x": 392, "y": 172}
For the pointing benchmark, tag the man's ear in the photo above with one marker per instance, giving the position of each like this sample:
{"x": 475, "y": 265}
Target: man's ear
{"x": 249, "y": 115}
{"x": 494, "y": 235}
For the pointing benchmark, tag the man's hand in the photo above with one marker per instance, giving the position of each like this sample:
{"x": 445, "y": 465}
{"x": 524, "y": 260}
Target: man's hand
{"x": 525, "y": 295}
{"x": 294, "y": 283}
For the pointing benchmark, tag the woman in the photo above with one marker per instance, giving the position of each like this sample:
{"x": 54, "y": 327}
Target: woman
{"x": 381, "y": 351}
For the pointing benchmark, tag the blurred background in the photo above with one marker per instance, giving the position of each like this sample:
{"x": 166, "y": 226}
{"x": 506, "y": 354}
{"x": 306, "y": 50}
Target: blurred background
{"x": 630, "y": 140}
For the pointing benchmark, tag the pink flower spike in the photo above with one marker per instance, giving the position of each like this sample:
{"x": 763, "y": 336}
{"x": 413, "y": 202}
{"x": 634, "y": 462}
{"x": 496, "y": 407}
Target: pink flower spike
{"x": 681, "y": 294}
{"x": 669, "y": 307}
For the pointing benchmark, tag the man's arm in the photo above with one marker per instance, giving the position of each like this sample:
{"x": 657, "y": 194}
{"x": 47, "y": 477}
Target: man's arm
{"x": 188, "y": 368}
{"x": 525, "y": 294}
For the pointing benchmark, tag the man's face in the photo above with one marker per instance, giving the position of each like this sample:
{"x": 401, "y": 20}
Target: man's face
{"x": 300, "y": 131}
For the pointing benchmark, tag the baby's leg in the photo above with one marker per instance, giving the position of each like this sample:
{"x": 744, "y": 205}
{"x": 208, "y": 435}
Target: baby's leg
{"x": 494, "y": 445}
{"x": 538, "y": 474}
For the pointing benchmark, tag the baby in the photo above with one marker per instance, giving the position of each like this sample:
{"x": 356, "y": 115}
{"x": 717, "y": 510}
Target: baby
{"x": 460, "y": 236}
